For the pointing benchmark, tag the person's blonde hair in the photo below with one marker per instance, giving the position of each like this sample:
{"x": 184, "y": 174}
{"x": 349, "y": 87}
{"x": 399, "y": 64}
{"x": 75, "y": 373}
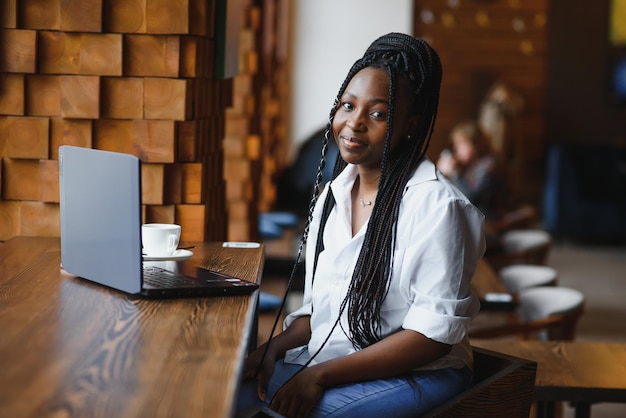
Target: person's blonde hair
{"x": 477, "y": 136}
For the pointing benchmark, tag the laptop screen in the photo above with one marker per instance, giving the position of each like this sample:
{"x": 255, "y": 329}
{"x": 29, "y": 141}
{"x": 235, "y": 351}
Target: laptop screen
{"x": 100, "y": 207}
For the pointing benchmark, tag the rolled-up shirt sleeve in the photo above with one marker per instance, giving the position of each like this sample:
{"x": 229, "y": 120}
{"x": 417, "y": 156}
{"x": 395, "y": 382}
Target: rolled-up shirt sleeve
{"x": 437, "y": 272}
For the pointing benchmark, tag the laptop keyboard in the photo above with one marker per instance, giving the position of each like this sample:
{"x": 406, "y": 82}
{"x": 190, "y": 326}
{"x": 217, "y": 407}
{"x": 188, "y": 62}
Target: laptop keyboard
{"x": 158, "y": 277}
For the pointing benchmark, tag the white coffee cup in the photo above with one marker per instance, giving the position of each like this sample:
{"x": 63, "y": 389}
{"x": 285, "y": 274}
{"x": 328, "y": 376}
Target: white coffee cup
{"x": 160, "y": 240}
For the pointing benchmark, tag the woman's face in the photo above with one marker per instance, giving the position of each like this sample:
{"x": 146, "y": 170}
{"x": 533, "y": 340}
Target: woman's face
{"x": 464, "y": 150}
{"x": 360, "y": 123}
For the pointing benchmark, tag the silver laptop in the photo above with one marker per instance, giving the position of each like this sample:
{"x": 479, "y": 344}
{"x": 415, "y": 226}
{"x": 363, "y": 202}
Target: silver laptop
{"x": 100, "y": 204}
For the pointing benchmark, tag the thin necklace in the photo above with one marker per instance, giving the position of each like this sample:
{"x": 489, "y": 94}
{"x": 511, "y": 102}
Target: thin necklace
{"x": 365, "y": 202}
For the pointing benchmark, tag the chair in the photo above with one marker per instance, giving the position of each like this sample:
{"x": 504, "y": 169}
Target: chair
{"x": 547, "y": 313}
{"x": 523, "y": 217}
{"x": 521, "y": 246}
{"x": 502, "y": 386}
{"x": 521, "y": 276}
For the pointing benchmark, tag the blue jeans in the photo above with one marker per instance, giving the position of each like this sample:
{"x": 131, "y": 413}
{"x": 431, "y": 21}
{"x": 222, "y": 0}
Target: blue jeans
{"x": 393, "y": 397}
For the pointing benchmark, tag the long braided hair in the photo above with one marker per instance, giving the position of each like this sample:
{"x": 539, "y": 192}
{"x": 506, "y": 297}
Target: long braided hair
{"x": 414, "y": 60}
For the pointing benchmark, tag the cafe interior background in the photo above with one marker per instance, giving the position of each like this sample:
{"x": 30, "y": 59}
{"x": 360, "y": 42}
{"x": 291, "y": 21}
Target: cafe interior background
{"x": 218, "y": 99}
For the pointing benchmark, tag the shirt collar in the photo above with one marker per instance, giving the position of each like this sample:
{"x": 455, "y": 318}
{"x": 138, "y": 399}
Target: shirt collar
{"x": 425, "y": 171}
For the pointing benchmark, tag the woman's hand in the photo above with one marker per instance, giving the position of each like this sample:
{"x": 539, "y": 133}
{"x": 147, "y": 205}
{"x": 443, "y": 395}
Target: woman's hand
{"x": 296, "y": 335}
{"x": 395, "y": 354}
{"x": 264, "y": 365}
{"x": 298, "y": 396}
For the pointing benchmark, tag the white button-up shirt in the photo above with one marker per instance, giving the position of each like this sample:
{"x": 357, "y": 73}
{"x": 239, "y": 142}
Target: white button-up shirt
{"x": 439, "y": 241}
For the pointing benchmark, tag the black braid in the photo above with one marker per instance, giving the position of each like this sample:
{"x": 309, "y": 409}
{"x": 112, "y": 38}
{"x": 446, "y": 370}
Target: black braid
{"x": 399, "y": 55}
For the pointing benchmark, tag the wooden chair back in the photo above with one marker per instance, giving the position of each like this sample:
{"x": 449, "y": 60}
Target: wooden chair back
{"x": 537, "y": 256}
{"x": 502, "y": 387}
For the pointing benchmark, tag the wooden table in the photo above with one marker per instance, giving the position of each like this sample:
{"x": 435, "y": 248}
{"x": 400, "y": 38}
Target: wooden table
{"x": 71, "y": 348}
{"x": 486, "y": 281}
{"x": 582, "y": 372}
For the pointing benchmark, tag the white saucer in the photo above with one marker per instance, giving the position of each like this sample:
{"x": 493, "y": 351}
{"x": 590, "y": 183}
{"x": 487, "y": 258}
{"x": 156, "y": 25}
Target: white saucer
{"x": 178, "y": 255}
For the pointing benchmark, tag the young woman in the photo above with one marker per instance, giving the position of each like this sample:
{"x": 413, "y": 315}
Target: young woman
{"x": 392, "y": 248}
{"x": 473, "y": 168}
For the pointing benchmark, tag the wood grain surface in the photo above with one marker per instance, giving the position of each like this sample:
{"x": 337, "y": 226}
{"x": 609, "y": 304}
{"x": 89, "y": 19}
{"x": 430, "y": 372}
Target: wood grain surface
{"x": 72, "y": 348}
{"x": 585, "y": 371}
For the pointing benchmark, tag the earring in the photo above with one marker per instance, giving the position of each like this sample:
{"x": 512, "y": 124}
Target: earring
{"x": 408, "y": 137}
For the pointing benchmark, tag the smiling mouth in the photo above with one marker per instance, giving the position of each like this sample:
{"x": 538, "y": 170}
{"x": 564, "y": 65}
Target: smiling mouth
{"x": 351, "y": 141}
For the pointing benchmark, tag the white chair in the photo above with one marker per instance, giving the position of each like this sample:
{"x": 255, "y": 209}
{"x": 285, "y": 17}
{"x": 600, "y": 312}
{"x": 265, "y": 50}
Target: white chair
{"x": 521, "y": 276}
{"x": 516, "y": 240}
{"x": 522, "y": 246}
{"x": 545, "y": 313}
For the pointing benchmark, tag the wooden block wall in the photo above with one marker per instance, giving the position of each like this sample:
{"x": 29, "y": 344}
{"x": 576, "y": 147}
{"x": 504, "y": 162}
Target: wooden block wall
{"x": 255, "y": 142}
{"x": 479, "y": 43}
{"x": 134, "y": 76}
{"x": 239, "y": 127}
{"x": 274, "y": 98}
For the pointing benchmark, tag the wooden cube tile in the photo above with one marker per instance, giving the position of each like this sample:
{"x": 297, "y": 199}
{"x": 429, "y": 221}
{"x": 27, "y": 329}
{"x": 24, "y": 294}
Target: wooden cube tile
{"x": 253, "y": 147}
{"x": 192, "y": 182}
{"x": 160, "y": 214}
{"x": 81, "y": 15}
{"x": 172, "y": 184}
{"x": 80, "y": 96}
{"x": 166, "y": 98}
{"x": 80, "y": 53}
{"x": 9, "y": 219}
{"x": 8, "y": 14}
{"x": 152, "y": 184}
{"x": 216, "y": 230}
{"x": 19, "y": 48}
{"x": 234, "y": 147}
{"x": 39, "y": 219}
{"x": 235, "y": 190}
{"x": 237, "y": 125}
{"x": 77, "y": 132}
{"x": 161, "y": 184}
{"x": 122, "y": 98}
{"x": 114, "y": 135}
{"x": 11, "y": 94}
{"x": 37, "y": 14}
{"x": 166, "y": 16}
{"x": 49, "y": 181}
{"x": 191, "y": 219}
{"x": 43, "y": 95}
{"x": 187, "y": 140}
{"x": 236, "y": 169}
{"x": 20, "y": 179}
{"x": 26, "y": 137}
{"x": 4, "y": 120}
{"x": 239, "y": 104}
{"x": 59, "y": 52}
{"x": 255, "y": 17}
{"x": 239, "y": 231}
{"x": 190, "y": 57}
{"x": 100, "y": 54}
{"x": 199, "y": 22}
{"x": 124, "y": 16}
{"x": 151, "y": 56}
{"x": 207, "y": 64}
{"x": 199, "y": 101}
{"x": 154, "y": 140}
{"x": 238, "y": 210}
